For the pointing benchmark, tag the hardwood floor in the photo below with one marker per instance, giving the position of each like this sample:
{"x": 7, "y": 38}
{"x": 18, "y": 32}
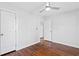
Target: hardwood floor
{"x": 46, "y": 48}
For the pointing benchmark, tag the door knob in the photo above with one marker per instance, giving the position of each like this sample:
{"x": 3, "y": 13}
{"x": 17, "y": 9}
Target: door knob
{"x": 1, "y": 34}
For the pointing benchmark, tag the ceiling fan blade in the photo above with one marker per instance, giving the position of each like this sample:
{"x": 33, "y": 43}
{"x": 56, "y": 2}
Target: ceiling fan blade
{"x": 42, "y": 10}
{"x": 56, "y": 8}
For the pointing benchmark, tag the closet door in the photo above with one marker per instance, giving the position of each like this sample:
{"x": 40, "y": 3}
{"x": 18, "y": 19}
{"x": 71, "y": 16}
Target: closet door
{"x": 7, "y": 32}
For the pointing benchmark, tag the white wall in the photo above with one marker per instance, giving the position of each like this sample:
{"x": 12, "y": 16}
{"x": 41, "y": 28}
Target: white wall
{"x": 28, "y": 30}
{"x": 27, "y": 27}
{"x": 65, "y": 27}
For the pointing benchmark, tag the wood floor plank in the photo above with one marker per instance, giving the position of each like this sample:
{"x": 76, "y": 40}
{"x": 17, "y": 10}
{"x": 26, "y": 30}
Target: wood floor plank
{"x": 46, "y": 48}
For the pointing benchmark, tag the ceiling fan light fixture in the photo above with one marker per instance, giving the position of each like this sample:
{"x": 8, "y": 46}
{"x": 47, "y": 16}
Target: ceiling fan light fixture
{"x": 48, "y": 9}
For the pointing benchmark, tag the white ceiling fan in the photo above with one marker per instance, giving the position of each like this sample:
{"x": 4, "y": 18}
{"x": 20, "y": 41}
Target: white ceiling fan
{"x": 48, "y": 7}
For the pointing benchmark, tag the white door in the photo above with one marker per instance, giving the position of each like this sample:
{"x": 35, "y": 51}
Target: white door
{"x": 48, "y": 30}
{"x": 7, "y": 32}
{"x": 42, "y": 29}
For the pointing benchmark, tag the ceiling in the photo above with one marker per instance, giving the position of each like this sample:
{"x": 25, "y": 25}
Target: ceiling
{"x": 35, "y": 7}
{"x": 64, "y": 7}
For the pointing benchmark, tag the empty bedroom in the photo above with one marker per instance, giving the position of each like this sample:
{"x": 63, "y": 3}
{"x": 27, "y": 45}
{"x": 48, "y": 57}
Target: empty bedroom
{"x": 39, "y": 28}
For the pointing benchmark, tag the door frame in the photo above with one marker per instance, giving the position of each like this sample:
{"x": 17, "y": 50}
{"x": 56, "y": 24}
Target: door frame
{"x": 10, "y": 11}
{"x": 50, "y": 30}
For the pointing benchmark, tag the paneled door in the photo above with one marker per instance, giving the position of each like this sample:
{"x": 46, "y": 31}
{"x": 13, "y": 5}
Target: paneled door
{"x": 48, "y": 30}
{"x": 7, "y": 32}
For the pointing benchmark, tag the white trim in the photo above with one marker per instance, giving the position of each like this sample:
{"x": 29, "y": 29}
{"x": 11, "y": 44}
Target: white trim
{"x": 27, "y": 45}
{"x": 75, "y": 46}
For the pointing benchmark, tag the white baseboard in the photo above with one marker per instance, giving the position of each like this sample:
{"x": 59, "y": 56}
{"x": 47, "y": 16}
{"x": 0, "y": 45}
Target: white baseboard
{"x": 26, "y": 45}
{"x": 75, "y": 46}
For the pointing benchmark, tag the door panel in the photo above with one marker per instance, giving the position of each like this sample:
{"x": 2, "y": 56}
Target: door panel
{"x": 8, "y": 31}
{"x": 48, "y": 30}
